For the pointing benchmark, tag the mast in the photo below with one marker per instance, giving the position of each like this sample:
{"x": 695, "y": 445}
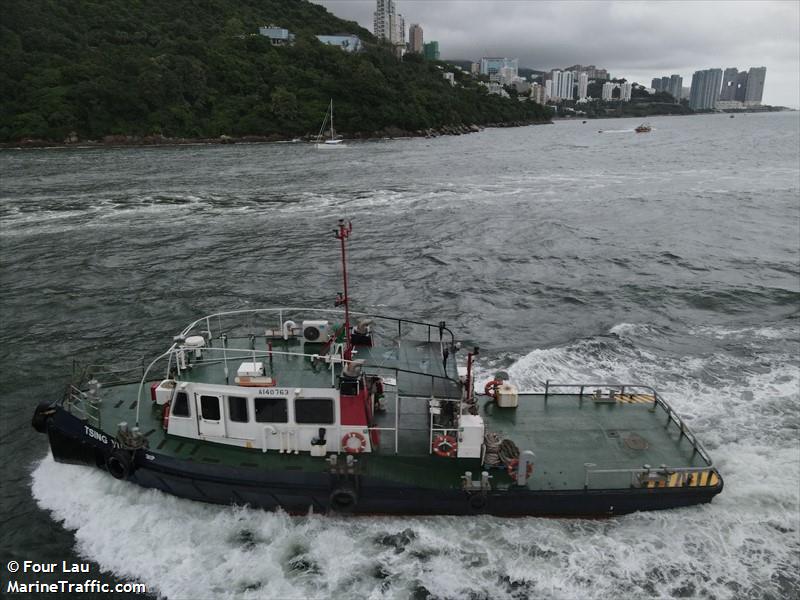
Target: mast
{"x": 332, "y": 133}
{"x": 342, "y": 234}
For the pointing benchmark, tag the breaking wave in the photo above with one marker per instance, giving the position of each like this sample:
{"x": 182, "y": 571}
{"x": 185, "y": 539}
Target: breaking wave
{"x": 745, "y": 544}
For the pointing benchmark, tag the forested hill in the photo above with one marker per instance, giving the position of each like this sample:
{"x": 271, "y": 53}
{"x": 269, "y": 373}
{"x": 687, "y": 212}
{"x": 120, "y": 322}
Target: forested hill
{"x": 184, "y": 68}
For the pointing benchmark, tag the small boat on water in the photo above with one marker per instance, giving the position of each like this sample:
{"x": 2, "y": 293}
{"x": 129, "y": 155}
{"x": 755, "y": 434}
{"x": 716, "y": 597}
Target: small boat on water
{"x": 334, "y": 411}
{"x": 643, "y": 128}
{"x": 333, "y": 140}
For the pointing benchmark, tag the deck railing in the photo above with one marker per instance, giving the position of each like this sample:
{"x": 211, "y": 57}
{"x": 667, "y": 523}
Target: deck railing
{"x": 587, "y": 389}
{"x": 125, "y": 371}
{"x": 333, "y": 361}
{"x": 79, "y": 403}
{"x": 283, "y": 313}
{"x": 640, "y": 476}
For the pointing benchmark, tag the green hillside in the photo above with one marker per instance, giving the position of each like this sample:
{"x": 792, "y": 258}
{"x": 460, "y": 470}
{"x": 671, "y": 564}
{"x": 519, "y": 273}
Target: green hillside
{"x": 196, "y": 69}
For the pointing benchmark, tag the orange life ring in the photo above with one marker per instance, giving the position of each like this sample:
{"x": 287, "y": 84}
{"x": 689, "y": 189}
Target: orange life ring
{"x": 354, "y": 435}
{"x": 491, "y": 388}
{"x": 512, "y": 468}
{"x": 445, "y": 446}
{"x": 165, "y": 416}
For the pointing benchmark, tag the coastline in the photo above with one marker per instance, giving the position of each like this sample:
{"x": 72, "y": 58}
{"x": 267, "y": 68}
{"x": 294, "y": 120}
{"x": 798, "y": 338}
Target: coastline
{"x": 157, "y": 140}
{"x": 733, "y": 111}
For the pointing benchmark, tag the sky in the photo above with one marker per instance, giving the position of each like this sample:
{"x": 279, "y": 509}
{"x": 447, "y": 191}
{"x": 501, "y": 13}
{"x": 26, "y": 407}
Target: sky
{"x": 634, "y": 40}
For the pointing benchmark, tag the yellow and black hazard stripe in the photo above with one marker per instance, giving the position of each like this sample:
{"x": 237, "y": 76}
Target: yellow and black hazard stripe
{"x": 696, "y": 479}
{"x": 635, "y": 398}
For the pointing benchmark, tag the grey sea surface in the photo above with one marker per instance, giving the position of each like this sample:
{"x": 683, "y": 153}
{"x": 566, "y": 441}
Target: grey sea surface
{"x": 669, "y": 258}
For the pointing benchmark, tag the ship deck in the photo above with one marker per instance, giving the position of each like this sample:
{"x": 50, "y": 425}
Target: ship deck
{"x": 565, "y": 432}
{"x": 415, "y": 365}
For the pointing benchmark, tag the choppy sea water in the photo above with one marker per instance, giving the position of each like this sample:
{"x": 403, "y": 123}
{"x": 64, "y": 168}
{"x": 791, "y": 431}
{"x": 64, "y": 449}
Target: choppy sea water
{"x": 669, "y": 258}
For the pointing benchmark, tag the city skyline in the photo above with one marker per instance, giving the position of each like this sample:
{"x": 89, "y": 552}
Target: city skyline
{"x": 641, "y": 40}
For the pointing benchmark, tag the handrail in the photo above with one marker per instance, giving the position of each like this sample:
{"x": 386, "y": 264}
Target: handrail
{"x": 662, "y": 470}
{"x": 75, "y": 400}
{"x": 657, "y": 401}
{"x": 144, "y": 378}
{"x": 174, "y": 349}
{"x": 280, "y": 310}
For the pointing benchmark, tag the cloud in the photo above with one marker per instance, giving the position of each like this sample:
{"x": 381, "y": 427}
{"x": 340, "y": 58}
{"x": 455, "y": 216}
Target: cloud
{"x": 638, "y": 40}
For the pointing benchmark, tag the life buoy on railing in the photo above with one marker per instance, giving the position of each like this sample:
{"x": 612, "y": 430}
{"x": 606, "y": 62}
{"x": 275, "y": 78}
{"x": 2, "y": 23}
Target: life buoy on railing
{"x": 445, "y": 446}
{"x": 512, "y": 468}
{"x": 354, "y": 448}
{"x": 490, "y": 389}
{"x": 165, "y": 416}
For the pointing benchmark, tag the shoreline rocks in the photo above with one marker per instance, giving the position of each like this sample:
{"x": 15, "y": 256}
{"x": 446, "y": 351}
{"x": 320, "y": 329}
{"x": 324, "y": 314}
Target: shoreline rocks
{"x": 73, "y": 140}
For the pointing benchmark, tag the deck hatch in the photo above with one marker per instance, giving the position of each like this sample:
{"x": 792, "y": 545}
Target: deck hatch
{"x": 635, "y": 442}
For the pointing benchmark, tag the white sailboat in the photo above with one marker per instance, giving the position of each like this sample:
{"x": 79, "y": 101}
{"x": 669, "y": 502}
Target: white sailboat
{"x": 333, "y": 142}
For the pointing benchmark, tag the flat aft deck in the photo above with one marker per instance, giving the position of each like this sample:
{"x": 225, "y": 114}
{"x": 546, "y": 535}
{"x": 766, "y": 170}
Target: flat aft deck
{"x": 565, "y": 431}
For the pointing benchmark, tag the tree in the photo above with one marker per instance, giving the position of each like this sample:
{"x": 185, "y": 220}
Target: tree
{"x": 284, "y": 104}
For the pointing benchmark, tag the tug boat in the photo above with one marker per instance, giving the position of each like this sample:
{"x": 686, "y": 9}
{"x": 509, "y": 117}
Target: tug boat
{"x": 337, "y": 411}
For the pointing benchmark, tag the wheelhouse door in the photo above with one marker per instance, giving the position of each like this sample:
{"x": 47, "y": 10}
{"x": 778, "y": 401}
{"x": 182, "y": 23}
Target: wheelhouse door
{"x": 209, "y": 415}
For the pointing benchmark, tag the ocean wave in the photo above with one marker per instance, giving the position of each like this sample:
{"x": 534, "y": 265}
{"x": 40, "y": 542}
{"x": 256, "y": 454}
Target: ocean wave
{"x": 745, "y": 543}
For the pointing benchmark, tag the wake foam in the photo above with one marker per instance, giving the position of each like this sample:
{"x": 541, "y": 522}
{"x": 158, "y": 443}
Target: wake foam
{"x": 745, "y": 544}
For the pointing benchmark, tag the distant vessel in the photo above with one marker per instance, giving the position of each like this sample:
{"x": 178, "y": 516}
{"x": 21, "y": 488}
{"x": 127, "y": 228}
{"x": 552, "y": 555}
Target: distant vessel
{"x": 643, "y": 128}
{"x": 303, "y": 408}
{"x": 333, "y": 141}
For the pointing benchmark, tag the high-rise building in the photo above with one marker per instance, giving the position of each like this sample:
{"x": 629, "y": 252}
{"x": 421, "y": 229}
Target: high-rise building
{"x": 415, "y": 38}
{"x": 675, "y": 86}
{"x": 595, "y": 73}
{"x": 507, "y": 75}
{"x": 741, "y": 86}
{"x": 705, "y": 89}
{"x": 388, "y": 25}
{"x": 491, "y": 65}
{"x": 583, "y": 85}
{"x": 591, "y": 71}
{"x": 555, "y": 86}
{"x": 431, "y": 50}
{"x": 565, "y": 91}
{"x": 665, "y": 84}
{"x": 383, "y": 20}
{"x": 625, "y": 90}
{"x": 548, "y": 90}
{"x": 399, "y": 28}
{"x": 755, "y": 85}
{"x": 608, "y": 90}
{"x": 538, "y": 93}
{"x": 656, "y": 84}
{"x": 729, "y": 77}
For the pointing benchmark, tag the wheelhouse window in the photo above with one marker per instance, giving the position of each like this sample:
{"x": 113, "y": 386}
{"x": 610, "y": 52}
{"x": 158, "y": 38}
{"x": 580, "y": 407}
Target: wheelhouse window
{"x": 237, "y": 409}
{"x": 270, "y": 410}
{"x": 209, "y": 408}
{"x": 180, "y": 406}
{"x": 317, "y": 411}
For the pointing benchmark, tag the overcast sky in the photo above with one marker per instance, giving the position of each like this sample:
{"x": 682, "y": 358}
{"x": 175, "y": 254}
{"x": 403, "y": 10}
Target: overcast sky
{"x": 634, "y": 40}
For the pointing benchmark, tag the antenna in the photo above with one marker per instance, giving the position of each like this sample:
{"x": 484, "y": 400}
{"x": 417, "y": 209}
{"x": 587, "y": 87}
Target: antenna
{"x": 342, "y": 234}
